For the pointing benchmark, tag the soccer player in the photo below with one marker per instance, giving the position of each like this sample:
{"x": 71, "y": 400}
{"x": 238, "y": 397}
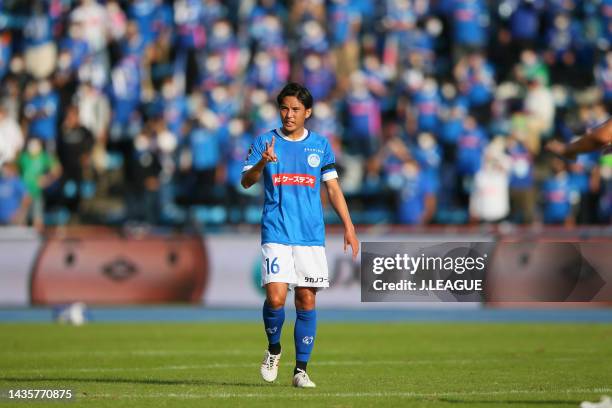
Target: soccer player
{"x": 294, "y": 162}
{"x": 598, "y": 138}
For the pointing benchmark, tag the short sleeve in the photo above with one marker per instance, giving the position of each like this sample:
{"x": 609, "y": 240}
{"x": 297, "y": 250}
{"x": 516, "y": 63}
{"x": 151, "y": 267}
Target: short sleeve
{"x": 254, "y": 154}
{"x": 328, "y": 166}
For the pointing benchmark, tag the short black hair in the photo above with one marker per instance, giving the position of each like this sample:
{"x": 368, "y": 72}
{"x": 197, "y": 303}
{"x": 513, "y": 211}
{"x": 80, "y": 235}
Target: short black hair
{"x": 299, "y": 91}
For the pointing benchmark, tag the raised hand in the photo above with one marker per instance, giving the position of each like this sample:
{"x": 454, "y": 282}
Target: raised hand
{"x": 268, "y": 154}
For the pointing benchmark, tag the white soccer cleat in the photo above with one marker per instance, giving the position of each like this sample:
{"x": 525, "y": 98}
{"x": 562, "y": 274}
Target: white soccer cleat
{"x": 269, "y": 366}
{"x": 605, "y": 402}
{"x": 301, "y": 380}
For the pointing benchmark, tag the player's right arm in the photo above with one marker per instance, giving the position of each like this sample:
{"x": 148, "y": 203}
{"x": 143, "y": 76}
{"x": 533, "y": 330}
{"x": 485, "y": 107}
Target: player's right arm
{"x": 253, "y": 172}
{"x": 593, "y": 140}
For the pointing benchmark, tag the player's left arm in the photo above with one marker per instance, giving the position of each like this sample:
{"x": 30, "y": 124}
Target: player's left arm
{"x": 336, "y": 198}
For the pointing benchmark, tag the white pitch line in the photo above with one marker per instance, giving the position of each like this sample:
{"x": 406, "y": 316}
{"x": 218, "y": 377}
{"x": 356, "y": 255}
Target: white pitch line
{"x": 391, "y": 394}
{"x": 204, "y": 352}
{"x": 254, "y": 365}
{"x": 155, "y": 353}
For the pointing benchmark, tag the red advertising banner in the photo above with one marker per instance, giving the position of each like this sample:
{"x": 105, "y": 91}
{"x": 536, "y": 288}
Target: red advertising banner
{"x": 104, "y": 267}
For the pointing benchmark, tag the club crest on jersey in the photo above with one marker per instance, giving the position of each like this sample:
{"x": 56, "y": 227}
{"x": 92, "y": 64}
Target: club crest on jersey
{"x": 314, "y": 160}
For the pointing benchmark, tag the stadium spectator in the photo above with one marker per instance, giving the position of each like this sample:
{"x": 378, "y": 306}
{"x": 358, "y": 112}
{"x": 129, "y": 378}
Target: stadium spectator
{"x": 540, "y": 108}
{"x": 74, "y": 150}
{"x": 41, "y": 111}
{"x": 205, "y": 144}
{"x": 11, "y": 137}
{"x": 489, "y": 198}
{"x": 143, "y": 198}
{"x": 522, "y": 183}
{"x": 345, "y": 22}
{"x": 39, "y": 170}
{"x": 557, "y": 192}
{"x": 476, "y": 80}
{"x": 364, "y": 117}
{"x": 318, "y": 76}
{"x": 40, "y": 50}
{"x": 5, "y": 52}
{"x": 14, "y": 199}
{"x": 416, "y": 202}
{"x": 525, "y": 23}
{"x": 415, "y": 65}
{"x": 469, "y": 24}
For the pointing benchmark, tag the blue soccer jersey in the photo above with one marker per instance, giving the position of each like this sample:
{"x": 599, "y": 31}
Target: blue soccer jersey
{"x": 293, "y": 213}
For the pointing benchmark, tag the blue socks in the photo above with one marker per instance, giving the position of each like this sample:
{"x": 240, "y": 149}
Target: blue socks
{"x": 273, "y": 323}
{"x": 304, "y": 334}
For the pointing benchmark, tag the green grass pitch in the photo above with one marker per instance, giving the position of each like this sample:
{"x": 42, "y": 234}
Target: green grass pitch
{"x": 365, "y": 364}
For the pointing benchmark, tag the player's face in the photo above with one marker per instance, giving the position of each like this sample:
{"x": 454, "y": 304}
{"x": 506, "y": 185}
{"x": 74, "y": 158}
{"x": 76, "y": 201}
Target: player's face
{"x": 293, "y": 114}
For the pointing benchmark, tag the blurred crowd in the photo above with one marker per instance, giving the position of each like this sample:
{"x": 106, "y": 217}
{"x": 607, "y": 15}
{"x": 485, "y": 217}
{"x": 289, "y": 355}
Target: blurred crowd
{"x": 438, "y": 110}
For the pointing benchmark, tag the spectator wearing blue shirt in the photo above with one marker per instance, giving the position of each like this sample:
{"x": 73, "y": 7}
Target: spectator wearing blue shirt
{"x": 562, "y": 39}
{"x": 318, "y": 76}
{"x": 41, "y": 111}
{"x": 417, "y": 50}
{"x": 312, "y": 38}
{"x": 144, "y": 14}
{"x": 267, "y": 72}
{"x": 74, "y": 50}
{"x": 174, "y": 107}
{"x": 14, "y": 199}
{"x": 470, "y": 148}
{"x": 469, "y": 31}
{"x": 188, "y": 17}
{"x": 125, "y": 98}
{"x": 364, "y": 121}
{"x": 134, "y": 43}
{"x": 5, "y": 52}
{"x": 453, "y": 111}
{"x": 525, "y": 24}
{"x": 427, "y": 105}
{"x": 476, "y": 80}
{"x": 603, "y": 77}
{"x": 204, "y": 143}
{"x": 584, "y": 175}
{"x": 266, "y": 33}
{"x": 40, "y": 49}
{"x": 556, "y": 192}
{"x": 428, "y": 154}
{"x": 414, "y": 200}
{"x": 324, "y": 121}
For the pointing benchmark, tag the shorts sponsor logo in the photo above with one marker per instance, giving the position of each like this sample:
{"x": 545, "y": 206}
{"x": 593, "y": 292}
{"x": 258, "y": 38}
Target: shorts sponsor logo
{"x": 314, "y": 160}
{"x": 308, "y": 340}
{"x": 315, "y": 280}
{"x": 294, "y": 180}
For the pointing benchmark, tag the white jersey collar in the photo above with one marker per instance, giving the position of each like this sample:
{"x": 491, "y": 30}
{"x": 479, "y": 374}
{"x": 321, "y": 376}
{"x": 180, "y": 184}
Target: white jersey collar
{"x": 287, "y": 138}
